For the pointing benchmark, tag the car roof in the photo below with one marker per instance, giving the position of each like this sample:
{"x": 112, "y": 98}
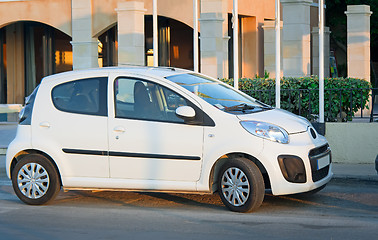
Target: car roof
{"x": 128, "y": 69}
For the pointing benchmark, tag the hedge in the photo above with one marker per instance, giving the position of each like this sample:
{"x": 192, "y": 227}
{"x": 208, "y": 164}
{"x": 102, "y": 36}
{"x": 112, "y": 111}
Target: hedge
{"x": 300, "y": 95}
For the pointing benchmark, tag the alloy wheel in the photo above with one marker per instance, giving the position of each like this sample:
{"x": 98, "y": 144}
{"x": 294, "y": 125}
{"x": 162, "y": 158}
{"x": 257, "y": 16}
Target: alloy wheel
{"x": 235, "y": 186}
{"x": 33, "y": 180}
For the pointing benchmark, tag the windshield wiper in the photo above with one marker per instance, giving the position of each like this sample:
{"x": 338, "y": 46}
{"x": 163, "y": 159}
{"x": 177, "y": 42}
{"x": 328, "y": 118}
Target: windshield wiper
{"x": 264, "y": 106}
{"x": 240, "y": 107}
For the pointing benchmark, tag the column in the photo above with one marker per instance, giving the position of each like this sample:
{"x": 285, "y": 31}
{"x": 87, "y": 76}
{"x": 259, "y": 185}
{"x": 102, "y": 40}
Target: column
{"x": 270, "y": 48}
{"x": 131, "y": 33}
{"x": 296, "y": 38}
{"x": 214, "y": 38}
{"x": 358, "y": 40}
{"x": 84, "y": 46}
{"x": 315, "y": 51}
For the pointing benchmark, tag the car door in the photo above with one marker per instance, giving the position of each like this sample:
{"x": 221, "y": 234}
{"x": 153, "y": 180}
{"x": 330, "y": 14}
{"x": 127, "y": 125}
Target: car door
{"x": 70, "y": 124}
{"x": 147, "y": 141}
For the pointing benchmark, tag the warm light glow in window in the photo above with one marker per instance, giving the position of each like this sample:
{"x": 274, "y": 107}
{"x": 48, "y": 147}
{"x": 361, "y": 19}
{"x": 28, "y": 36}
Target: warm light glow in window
{"x": 63, "y": 58}
{"x": 176, "y": 53}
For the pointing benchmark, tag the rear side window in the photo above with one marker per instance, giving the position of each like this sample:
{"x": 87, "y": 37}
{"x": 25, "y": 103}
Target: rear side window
{"x": 86, "y": 96}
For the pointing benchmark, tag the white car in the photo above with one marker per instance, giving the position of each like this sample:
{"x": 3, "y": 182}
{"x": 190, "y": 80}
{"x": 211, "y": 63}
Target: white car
{"x": 164, "y": 130}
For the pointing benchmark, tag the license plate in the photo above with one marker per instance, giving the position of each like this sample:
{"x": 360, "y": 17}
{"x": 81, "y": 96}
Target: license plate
{"x": 323, "y": 162}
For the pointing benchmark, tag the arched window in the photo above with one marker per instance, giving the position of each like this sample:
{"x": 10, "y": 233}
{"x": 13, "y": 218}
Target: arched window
{"x": 47, "y": 51}
{"x": 175, "y": 40}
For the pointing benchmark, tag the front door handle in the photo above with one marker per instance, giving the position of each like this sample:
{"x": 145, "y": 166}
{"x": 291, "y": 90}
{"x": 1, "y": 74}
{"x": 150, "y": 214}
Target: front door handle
{"x": 119, "y": 129}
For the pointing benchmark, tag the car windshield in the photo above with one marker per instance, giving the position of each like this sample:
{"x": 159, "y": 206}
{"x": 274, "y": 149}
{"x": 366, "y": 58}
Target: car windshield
{"x": 219, "y": 95}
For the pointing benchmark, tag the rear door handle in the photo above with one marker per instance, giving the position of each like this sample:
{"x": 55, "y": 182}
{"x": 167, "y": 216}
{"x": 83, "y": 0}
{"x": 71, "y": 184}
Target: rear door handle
{"x": 44, "y": 124}
{"x": 119, "y": 129}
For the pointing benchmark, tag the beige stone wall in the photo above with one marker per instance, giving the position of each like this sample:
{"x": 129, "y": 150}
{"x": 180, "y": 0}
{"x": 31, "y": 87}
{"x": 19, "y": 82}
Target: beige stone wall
{"x": 131, "y": 33}
{"x": 251, "y": 49}
{"x": 296, "y": 38}
{"x": 85, "y": 20}
{"x": 104, "y": 16}
{"x": 259, "y": 8}
{"x": 270, "y": 48}
{"x": 358, "y": 40}
{"x": 56, "y": 13}
{"x": 353, "y": 142}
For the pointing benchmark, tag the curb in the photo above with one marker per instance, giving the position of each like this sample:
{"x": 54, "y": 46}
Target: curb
{"x": 3, "y": 151}
{"x": 354, "y": 178}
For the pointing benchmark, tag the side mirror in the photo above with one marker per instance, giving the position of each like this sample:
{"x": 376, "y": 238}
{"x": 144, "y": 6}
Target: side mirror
{"x": 185, "y": 112}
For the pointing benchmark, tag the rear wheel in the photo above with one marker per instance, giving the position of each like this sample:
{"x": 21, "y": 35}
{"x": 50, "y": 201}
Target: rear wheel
{"x": 241, "y": 185}
{"x": 35, "y": 180}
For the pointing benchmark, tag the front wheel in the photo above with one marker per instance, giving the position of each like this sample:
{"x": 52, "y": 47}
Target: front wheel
{"x": 241, "y": 185}
{"x": 35, "y": 180}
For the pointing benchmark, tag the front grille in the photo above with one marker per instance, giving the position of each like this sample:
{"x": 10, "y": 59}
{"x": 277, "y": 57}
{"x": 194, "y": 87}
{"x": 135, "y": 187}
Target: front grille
{"x": 317, "y": 151}
{"x": 314, "y": 155}
{"x": 320, "y": 174}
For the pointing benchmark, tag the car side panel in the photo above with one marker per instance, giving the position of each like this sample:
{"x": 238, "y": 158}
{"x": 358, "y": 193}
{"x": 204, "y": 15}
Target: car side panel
{"x": 54, "y": 130}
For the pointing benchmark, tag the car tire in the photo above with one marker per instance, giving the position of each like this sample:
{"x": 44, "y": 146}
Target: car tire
{"x": 241, "y": 185}
{"x": 35, "y": 180}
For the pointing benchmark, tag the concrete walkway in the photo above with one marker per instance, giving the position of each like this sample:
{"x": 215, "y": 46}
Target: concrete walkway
{"x": 362, "y": 172}
{"x": 7, "y": 134}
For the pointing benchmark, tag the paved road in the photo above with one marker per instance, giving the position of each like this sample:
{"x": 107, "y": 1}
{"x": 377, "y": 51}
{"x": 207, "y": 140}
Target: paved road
{"x": 343, "y": 210}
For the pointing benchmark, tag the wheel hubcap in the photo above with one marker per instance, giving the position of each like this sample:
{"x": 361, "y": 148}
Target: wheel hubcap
{"x": 33, "y": 180}
{"x": 235, "y": 186}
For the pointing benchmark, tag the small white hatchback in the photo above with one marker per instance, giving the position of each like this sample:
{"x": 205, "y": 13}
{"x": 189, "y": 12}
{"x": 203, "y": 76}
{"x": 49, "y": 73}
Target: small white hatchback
{"x": 161, "y": 129}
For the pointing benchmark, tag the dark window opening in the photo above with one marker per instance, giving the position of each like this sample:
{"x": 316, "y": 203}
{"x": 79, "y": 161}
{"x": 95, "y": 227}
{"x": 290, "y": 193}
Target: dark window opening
{"x": 108, "y": 45}
{"x": 231, "y": 46}
{"x": 3, "y": 74}
{"x": 175, "y": 40}
{"x": 47, "y": 51}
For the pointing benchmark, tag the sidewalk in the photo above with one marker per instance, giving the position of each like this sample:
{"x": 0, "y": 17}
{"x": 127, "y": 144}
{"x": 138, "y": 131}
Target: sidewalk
{"x": 345, "y": 171}
{"x": 7, "y": 134}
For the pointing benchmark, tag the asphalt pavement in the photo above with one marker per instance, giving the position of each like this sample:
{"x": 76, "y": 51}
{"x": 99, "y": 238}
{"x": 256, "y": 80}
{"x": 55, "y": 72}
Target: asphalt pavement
{"x": 344, "y": 171}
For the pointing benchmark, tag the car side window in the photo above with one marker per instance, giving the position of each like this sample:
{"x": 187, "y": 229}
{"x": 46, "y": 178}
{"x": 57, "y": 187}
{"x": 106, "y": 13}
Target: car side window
{"x": 86, "y": 96}
{"x": 139, "y": 99}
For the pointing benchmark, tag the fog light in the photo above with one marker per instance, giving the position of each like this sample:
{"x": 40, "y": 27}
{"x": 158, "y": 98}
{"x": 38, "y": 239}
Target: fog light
{"x": 292, "y": 168}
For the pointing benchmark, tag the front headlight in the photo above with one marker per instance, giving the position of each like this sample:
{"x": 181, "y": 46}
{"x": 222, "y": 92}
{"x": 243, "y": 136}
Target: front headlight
{"x": 266, "y": 130}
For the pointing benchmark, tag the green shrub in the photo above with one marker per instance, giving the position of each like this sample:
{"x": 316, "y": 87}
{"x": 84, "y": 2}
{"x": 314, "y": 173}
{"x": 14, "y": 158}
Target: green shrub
{"x": 300, "y": 95}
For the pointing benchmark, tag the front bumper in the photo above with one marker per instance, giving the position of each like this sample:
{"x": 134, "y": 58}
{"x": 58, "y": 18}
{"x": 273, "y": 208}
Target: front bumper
{"x": 302, "y": 165}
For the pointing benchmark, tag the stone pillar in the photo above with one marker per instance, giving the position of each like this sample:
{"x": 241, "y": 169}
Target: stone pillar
{"x": 358, "y": 40}
{"x": 315, "y": 51}
{"x": 270, "y": 48}
{"x": 131, "y": 33}
{"x": 214, "y": 38}
{"x": 84, "y": 46}
{"x": 296, "y": 38}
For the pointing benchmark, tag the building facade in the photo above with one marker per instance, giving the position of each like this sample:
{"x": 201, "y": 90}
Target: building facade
{"x": 43, "y": 37}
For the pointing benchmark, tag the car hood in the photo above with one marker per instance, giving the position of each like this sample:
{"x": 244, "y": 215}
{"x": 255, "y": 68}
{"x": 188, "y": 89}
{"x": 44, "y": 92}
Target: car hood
{"x": 288, "y": 121}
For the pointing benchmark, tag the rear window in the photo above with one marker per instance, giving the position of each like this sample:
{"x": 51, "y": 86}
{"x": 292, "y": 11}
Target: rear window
{"x": 86, "y": 96}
